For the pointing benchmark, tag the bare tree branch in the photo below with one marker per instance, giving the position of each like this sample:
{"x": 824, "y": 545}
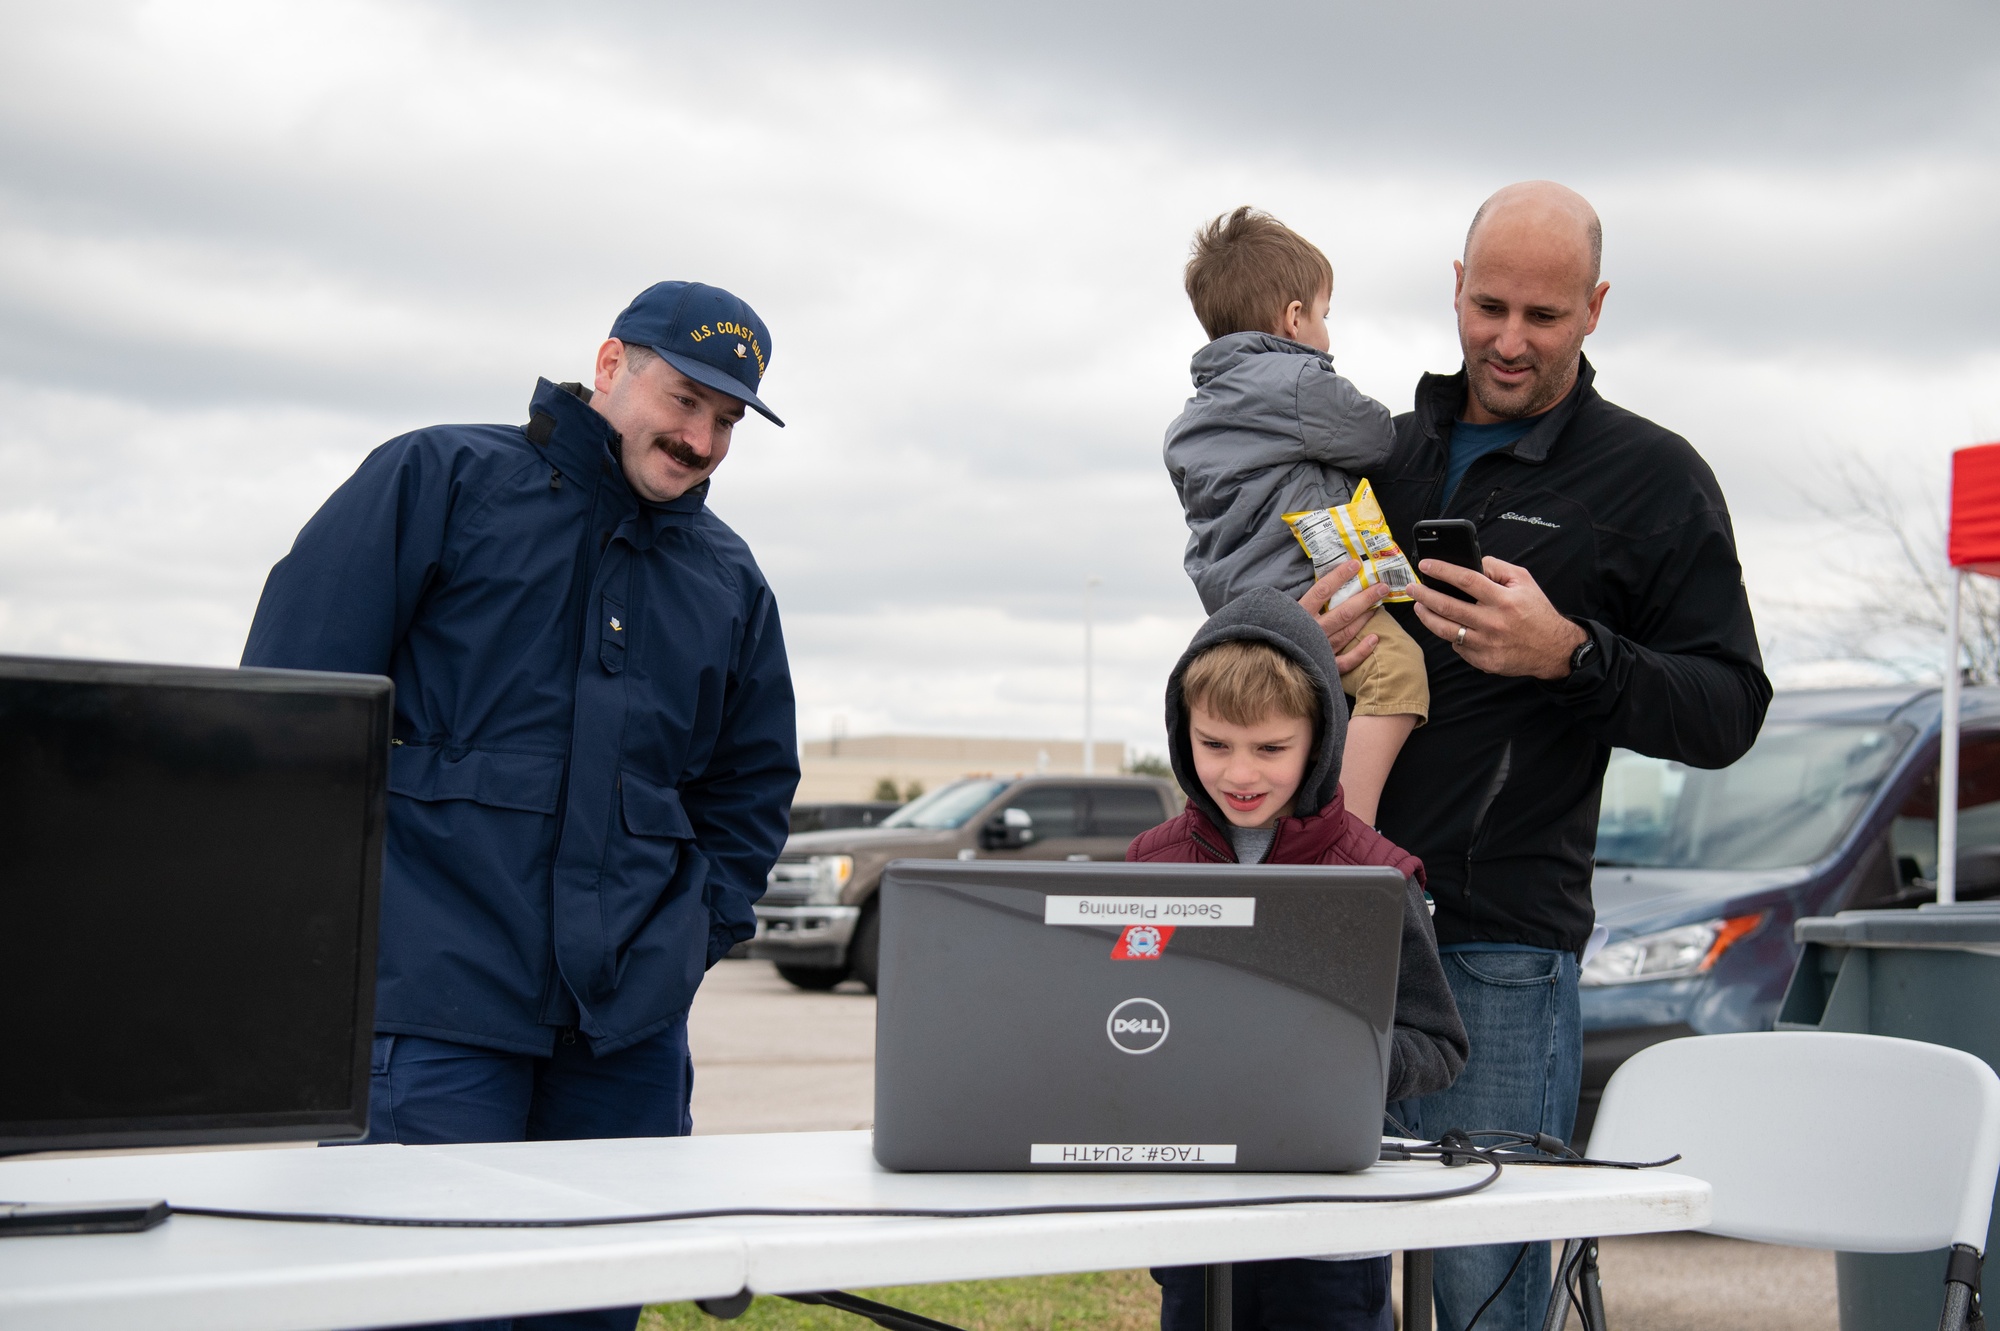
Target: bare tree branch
{"x": 1894, "y": 560}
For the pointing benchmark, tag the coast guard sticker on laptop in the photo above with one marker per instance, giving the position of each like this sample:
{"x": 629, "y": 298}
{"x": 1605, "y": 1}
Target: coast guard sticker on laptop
{"x": 1142, "y": 942}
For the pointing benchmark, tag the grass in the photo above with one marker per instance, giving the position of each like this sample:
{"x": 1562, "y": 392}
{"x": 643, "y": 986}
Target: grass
{"x": 1110, "y": 1300}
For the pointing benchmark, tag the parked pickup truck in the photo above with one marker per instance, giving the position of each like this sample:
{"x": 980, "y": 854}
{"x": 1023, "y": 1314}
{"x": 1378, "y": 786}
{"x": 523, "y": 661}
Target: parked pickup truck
{"x": 818, "y": 919}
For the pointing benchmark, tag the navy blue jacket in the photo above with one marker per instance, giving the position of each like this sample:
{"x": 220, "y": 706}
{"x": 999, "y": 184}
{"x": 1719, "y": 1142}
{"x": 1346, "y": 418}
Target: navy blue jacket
{"x": 594, "y": 748}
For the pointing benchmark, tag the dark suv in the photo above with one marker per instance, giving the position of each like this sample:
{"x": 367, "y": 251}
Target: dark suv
{"x": 1701, "y": 874}
{"x": 817, "y": 920}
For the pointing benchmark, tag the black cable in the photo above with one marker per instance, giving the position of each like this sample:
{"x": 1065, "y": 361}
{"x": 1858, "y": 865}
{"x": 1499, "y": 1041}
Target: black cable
{"x": 1540, "y": 1141}
{"x": 1453, "y": 1149}
{"x": 1554, "y": 1148}
{"x": 1392, "y": 1151}
{"x": 1555, "y": 1313}
{"x": 888, "y": 1212}
{"x": 1573, "y": 1287}
{"x": 1581, "y": 1162}
{"x": 882, "y": 1314}
{"x": 1497, "y": 1288}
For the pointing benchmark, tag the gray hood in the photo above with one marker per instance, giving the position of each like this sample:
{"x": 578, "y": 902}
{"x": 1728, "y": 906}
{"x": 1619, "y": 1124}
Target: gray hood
{"x": 1263, "y": 615}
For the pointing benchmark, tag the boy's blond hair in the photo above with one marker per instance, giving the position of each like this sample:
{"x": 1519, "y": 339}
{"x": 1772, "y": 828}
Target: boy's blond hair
{"x": 1246, "y": 268}
{"x": 1244, "y": 682}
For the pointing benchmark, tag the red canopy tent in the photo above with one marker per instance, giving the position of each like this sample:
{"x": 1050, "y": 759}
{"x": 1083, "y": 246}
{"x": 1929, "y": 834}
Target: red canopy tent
{"x": 1973, "y": 544}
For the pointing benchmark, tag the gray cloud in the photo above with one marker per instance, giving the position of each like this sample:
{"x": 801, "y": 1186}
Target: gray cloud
{"x": 241, "y": 244}
{"x": 1507, "y": 89}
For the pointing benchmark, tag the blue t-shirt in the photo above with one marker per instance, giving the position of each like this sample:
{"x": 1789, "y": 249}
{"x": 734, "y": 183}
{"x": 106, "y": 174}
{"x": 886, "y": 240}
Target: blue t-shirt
{"x": 1469, "y": 441}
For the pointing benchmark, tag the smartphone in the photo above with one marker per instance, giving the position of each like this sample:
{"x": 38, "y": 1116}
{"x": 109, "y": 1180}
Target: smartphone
{"x": 1455, "y": 541}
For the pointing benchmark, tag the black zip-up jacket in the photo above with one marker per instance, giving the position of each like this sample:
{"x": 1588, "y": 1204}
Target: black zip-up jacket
{"x": 1623, "y": 526}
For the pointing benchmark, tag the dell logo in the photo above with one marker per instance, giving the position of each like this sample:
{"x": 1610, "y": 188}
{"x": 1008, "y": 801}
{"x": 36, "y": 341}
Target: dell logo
{"x": 1137, "y": 1026}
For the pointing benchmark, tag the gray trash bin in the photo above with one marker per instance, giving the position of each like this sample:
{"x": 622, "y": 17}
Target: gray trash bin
{"x": 1930, "y": 974}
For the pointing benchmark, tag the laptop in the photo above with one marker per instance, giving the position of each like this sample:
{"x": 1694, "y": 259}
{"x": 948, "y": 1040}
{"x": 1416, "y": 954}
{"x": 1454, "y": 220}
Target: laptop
{"x": 1065, "y": 1016}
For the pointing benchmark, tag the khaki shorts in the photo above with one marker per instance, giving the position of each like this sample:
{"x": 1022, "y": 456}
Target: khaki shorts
{"x": 1391, "y": 682}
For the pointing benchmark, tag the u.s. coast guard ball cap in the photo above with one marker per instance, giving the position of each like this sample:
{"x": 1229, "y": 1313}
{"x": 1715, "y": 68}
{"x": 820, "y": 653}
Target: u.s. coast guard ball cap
{"x": 704, "y": 332}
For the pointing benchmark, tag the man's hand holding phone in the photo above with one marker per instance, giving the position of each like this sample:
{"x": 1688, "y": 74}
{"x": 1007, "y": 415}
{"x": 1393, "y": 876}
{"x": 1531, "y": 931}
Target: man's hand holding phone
{"x": 1507, "y": 626}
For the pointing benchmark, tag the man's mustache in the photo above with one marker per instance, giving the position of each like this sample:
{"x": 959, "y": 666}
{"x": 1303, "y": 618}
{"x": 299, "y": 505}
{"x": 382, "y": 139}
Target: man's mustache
{"x": 678, "y": 450}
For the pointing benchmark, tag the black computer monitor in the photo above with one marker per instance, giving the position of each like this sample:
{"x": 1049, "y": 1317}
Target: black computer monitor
{"x": 190, "y": 869}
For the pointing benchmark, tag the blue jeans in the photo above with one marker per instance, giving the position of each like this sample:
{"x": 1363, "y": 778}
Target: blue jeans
{"x": 1520, "y": 1010}
{"x": 1293, "y": 1294}
{"x": 425, "y": 1092}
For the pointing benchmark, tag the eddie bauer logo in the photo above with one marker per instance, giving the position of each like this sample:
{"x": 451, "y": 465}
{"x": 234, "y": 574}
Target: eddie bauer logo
{"x": 1531, "y": 520}
{"x": 1137, "y": 1026}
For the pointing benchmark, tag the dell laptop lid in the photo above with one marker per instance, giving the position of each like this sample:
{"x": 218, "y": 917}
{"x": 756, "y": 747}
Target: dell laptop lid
{"x": 1109, "y": 1016}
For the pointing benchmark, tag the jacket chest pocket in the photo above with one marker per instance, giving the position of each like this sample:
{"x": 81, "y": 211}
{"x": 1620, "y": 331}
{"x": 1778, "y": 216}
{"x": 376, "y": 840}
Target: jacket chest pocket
{"x": 1550, "y": 537}
{"x": 612, "y": 631}
{"x": 529, "y": 782}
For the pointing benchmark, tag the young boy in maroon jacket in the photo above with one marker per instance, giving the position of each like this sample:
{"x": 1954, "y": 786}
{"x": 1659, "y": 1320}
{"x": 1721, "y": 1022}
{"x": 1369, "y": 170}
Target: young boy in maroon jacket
{"x": 1255, "y": 726}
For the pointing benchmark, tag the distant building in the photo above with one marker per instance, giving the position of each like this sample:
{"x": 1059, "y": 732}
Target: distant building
{"x": 852, "y": 767}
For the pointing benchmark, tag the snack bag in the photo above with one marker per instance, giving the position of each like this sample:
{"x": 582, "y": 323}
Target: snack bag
{"x": 1355, "y": 530}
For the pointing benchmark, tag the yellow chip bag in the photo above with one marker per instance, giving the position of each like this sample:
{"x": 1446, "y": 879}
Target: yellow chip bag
{"x": 1355, "y": 530}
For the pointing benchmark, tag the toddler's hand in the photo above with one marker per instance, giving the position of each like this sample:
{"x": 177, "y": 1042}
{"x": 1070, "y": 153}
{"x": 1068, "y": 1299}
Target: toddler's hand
{"x": 1342, "y": 623}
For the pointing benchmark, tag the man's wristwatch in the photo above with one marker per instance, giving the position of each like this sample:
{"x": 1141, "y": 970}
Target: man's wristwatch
{"x": 1584, "y": 651}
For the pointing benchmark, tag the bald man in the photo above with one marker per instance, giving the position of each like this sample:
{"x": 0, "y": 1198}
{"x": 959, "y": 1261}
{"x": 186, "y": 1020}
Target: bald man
{"x": 1611, "y": 613}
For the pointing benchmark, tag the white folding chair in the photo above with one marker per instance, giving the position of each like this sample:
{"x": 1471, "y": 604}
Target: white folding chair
{"x": 1822, "y": 1140}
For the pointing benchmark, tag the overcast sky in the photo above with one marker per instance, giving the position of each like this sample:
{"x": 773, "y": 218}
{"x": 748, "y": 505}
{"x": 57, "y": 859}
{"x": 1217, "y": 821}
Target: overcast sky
{"x": 242, "y": 244}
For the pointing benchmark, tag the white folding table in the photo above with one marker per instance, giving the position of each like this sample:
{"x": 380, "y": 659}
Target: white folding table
{"x": 214, "y": 1275}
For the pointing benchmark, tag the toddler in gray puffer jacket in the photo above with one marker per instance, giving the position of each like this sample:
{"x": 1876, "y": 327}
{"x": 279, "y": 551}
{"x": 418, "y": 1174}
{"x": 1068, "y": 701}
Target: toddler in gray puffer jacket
{"x": 1273, "y": 430}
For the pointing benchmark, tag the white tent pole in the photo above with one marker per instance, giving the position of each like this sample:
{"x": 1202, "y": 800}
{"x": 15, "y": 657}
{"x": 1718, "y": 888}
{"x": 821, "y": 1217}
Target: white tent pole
{"x": 1947, "y": 863}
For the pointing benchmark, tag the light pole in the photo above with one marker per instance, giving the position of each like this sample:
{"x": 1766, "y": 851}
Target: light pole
{"x": 1089, "y": 664}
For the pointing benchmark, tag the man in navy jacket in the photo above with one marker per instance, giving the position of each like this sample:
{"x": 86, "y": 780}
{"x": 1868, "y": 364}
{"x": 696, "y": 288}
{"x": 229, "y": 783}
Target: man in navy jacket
{"x": 594, "y": 750}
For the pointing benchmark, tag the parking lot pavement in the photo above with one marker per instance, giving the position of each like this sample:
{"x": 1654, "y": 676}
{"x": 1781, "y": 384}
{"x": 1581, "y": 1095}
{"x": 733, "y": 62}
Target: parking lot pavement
{"x": 771, "y": 1058}
{"x": 1681, "y": 1282}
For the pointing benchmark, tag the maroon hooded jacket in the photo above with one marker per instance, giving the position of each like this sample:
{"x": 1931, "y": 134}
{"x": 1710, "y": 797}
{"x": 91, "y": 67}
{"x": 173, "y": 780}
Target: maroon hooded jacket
{"x": 1429, "y": 1045}
{"x": 1331, "y": 836}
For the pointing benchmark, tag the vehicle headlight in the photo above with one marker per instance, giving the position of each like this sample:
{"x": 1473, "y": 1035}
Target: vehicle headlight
{"x": 829, "y": 875}
{"x": 1671, "y": 954}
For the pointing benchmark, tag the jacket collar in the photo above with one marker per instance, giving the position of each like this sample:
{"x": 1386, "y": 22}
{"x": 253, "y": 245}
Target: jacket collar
{"x": 1232, "y": 349}
{"x": 1298, "y": 840}
{"x": 580, "y": 443}
{"x": 1440, "y": 397}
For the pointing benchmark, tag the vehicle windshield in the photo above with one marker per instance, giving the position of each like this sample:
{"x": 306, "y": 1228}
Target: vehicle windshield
{"x": 1786, "y": 802}
{"x": 946, "y": 807}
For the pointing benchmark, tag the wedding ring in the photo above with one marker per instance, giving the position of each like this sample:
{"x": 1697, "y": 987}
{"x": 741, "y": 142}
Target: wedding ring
{"x": 1461, "y": 636}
